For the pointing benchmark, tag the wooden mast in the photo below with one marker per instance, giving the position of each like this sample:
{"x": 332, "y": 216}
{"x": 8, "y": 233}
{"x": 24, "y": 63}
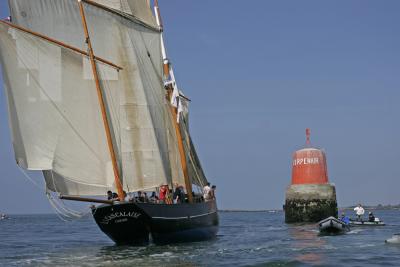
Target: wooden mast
{"x": 188, "y": 183}
{"x": 102, "y": 106}
{"x": 174, "y": 111}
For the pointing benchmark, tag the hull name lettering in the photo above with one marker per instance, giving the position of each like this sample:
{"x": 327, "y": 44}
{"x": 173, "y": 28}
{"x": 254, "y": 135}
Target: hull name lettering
{"x": 119, "y": 215}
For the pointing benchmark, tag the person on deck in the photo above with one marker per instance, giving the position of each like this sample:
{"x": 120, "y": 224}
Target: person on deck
{"x": 163, "y": 194}
{"x": 140, "y": 196}
{"x": 109, "y": 195}
{"x": 359, "y": 211}
{"x": 179, "y": 194}
{"x": 371, "y": 217}
{"x": 168, "y": 196}
{"x": 153, "y": 198}
{"x": 212, "y": 192}
{"x": 145, "y": 197}
{"x": 127, "y": 198}
{"x": 115, "y": 196}
{"x": 206, "y": 192}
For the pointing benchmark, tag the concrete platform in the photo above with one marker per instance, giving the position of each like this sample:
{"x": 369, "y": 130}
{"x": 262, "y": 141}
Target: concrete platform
{"x": 310, "y": 202}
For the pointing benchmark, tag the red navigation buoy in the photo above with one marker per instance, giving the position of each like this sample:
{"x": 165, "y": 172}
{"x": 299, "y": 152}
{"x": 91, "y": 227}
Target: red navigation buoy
{"x": 309, "y": 165}
{"x": 310, "y": 197}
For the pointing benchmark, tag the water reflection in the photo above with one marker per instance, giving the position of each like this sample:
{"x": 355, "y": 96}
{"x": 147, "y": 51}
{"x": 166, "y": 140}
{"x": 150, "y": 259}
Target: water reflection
{"x": 308, "y": 243}
{"x": 175, "y": 255}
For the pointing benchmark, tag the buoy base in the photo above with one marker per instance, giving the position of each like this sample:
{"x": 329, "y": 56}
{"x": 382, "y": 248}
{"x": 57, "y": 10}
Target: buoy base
{"x": 310, "y": 202}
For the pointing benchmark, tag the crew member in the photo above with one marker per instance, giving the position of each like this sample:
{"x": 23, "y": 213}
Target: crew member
{"x": 109, "y": 195}
{"x": 212, "y": 192}
{"x": 207, "y": 192}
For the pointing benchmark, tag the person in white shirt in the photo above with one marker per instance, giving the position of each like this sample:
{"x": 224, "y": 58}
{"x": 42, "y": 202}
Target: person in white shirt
{"x": 359, "y": 211}
{"x": 207, "y": 192}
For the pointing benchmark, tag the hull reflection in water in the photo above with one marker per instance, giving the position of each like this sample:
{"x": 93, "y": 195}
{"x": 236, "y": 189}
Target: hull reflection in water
{"x": 134, "y": 223}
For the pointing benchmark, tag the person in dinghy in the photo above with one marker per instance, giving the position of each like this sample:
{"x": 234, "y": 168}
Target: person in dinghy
{"x": 359, "y": 212}
{"x": 344, "y": 218}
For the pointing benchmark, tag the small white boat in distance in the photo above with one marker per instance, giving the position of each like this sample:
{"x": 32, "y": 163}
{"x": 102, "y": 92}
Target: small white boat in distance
{"x": 376, "y": 222}
{"x": 332, "y": 225}
{"x": 395, "y": 239}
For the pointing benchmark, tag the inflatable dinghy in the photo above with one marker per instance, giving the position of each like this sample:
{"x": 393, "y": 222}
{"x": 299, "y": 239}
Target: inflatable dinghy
{"x": 332, "y": 225}
{"x": 395, "y": 239}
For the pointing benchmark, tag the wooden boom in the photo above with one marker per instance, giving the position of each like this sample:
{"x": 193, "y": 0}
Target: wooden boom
{"x": 85, "y": 199}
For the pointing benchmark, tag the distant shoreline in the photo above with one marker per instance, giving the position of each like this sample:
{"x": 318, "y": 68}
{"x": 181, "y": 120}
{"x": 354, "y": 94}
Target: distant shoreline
{"x": 242, "y": 210}
{"x": 377, "y": 207}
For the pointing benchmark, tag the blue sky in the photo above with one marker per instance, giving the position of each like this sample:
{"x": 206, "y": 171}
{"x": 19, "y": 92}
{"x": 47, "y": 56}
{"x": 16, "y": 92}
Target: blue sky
{"x": 258, "y": 73}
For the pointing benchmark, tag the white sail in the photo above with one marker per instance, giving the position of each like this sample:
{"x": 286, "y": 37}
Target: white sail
{"x": 144, "y": 134}
{"x": 141, "y": 9}
{"x": 144, "y": 128}
{"x": 121, "y": 5}
{"x": 54, "y": 112}
{"x": 138, "y": 8}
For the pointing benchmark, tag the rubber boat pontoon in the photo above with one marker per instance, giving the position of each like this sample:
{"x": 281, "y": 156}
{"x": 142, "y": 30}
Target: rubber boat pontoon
{"x": 332, "y": 225}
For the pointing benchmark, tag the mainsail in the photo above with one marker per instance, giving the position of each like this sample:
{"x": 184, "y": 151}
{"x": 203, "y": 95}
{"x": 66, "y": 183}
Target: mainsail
{"x": 54, "y": 113}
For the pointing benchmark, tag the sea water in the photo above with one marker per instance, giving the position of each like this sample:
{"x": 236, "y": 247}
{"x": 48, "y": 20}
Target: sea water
{"x": 244, "y": 239}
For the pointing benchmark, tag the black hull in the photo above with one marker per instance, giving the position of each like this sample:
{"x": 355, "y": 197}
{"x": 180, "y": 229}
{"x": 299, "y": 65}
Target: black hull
{"x": 134, "y": 223}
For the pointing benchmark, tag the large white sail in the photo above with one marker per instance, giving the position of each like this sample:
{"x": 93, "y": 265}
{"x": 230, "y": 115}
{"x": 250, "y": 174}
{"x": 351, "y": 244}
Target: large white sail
{"x": 138, "y": 8}
{"x": 147, "y": 155}
{"x": 144, "y": 134}
{"x": 54, "y": 112}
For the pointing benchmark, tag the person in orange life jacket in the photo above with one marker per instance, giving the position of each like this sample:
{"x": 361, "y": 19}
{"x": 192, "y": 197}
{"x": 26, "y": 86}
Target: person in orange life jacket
{"x": 163, "y": 193}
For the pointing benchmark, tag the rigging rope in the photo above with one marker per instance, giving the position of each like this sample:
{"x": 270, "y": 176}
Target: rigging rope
{"x": 61, "y": 210}
{"x": 29, "y": 178}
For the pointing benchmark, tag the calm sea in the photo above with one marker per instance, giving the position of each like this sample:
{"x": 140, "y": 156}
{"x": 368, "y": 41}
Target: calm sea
{"x": 245, "y": 239}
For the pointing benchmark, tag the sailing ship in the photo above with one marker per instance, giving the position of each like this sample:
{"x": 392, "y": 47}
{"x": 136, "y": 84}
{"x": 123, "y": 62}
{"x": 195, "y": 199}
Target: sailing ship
{"x": 94, "y": 105}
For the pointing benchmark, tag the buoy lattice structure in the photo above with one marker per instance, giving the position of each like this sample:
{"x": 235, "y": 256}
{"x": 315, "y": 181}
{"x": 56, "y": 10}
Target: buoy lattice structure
{"x": 309, "y": 197}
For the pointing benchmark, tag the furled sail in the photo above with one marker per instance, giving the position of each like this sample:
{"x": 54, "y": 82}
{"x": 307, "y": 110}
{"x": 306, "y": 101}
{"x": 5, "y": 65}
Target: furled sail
{"x": 54, "y": 112}
{"x": 194, "y": 167}
{"x": 142, "y": 127}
